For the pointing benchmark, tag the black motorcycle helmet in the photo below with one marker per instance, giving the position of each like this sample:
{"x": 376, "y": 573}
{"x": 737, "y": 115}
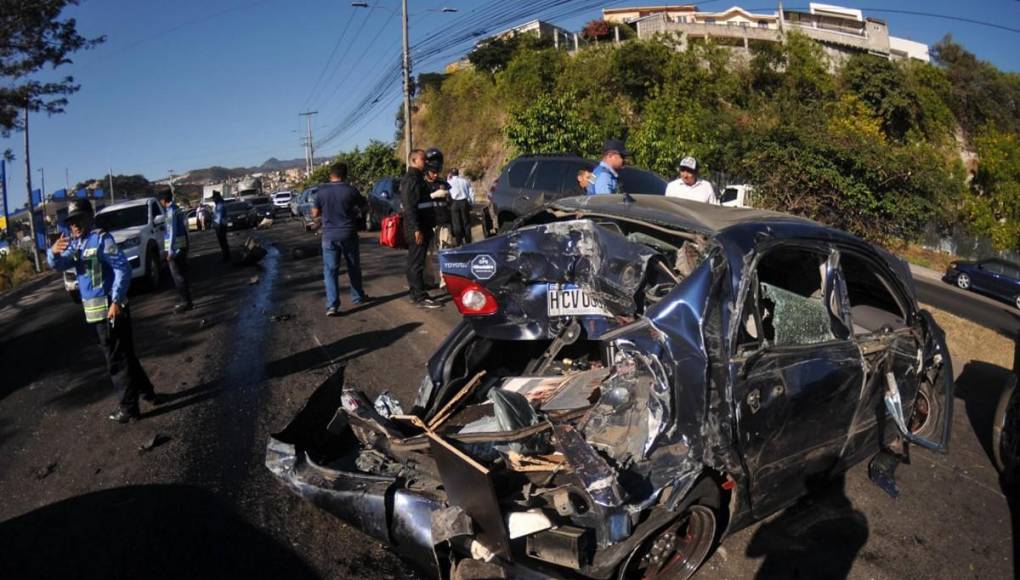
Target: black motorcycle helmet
{"x": 434, "y": 160}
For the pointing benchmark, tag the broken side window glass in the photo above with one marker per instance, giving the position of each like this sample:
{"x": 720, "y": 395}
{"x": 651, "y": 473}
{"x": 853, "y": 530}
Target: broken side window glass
{"x": 797, "y": 319}
{"x": 791, "y": 304}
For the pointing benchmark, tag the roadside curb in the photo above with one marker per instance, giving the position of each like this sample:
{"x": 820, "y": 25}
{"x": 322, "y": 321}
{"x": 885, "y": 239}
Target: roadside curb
{"x": 15, "y": 294}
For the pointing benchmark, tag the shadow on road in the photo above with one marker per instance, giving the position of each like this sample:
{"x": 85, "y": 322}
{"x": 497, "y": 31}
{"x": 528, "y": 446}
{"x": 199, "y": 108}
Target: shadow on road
{"x": 152, "y": 531}
{"x": 818, "y": 537}
{"x": 339, "y": 352}
{"x": 980, "y": 386}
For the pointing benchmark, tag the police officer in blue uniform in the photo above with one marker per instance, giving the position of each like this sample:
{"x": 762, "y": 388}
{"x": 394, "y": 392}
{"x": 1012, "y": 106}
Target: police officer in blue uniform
{"x": 175, "y": 245}
{"x": 104, "y": 276}
{"x": 606, "y": 175}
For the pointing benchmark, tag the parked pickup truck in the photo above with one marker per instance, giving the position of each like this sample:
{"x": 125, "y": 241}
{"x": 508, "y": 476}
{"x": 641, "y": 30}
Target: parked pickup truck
{"x": 137, "y": 226}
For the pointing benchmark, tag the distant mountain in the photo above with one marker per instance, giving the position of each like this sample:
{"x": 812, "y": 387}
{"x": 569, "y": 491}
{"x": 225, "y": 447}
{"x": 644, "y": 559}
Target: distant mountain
{"x": 217, "y": 173}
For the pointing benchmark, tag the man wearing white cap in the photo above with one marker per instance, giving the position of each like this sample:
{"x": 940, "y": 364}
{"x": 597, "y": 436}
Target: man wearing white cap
{"x": 688, "y": 186}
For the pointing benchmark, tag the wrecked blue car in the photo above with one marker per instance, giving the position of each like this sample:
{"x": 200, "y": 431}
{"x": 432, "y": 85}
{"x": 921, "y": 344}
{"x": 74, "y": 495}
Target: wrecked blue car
{"x": 634, "y": 378}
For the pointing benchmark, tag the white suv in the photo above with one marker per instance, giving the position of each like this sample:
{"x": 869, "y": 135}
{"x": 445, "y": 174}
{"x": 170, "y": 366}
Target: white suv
{"x": 137, "y": 226}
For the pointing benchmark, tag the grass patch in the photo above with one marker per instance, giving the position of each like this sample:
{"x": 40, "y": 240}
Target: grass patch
{"x": 972, "y": 342}
{"x": 16, "y": 268}
{"x": 915, "y": 254}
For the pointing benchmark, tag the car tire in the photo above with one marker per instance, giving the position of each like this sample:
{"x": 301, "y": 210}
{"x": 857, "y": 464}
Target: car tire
{"x": 685, "y": 543}
{"x": 74, "y": 295}
{"x": 153, "y": 271}
{"x": 963, "y": 281}
{"x": 1016, "y": 301}
{"x": 1006, "y": 433}
{"x": 926, "y": 418}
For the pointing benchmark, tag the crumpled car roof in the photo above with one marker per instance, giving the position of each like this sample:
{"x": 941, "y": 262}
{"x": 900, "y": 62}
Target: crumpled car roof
{"x": 693, "y": 216}
{"x": 733, "y": 226}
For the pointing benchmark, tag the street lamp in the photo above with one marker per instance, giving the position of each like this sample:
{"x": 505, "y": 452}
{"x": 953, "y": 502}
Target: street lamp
{"x": 406, "y": 62}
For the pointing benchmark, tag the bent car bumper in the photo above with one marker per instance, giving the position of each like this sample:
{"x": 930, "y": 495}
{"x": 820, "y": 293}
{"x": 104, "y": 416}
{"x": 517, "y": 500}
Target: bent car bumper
{"x": 374, "y": 504}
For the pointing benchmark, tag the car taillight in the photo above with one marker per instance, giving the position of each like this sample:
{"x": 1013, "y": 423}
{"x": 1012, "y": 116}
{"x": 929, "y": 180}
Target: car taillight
{"x": 471, "y": 298}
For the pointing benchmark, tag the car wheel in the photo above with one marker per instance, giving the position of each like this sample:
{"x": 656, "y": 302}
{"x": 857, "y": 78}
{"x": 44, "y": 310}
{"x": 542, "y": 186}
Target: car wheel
{"x": 963, "y": 281}
{"x": 1006, "y": 434}
{"x": 153, "y": 272}
{"x": 926, "y": 420}
{"x": 676, "y": 551}
{"x": 1016, "y": 301}
{"x": 74, "y": 295}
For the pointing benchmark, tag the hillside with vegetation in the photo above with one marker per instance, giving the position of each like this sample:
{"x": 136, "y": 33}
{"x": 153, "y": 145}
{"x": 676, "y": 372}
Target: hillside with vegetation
{"x": 876, "y": 147}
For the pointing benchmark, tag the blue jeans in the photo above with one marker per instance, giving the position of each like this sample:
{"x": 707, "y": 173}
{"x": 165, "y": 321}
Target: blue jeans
{"x": 331, "y": 252}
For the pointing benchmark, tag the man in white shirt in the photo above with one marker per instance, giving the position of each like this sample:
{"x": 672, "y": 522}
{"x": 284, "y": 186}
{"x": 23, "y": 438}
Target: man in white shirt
{"x": 462, "y": 194}
{"x": 688, "y": 186}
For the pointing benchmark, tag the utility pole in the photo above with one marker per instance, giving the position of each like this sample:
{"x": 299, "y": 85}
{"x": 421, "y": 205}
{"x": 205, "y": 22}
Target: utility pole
{"x": 67, "y": 180}
{"x": 311, "y": 147}
{"x": 407, "y": 90}
{"x": 42, "y": 188}
{"x": 31, "y": 208}
{"x": 112, "y": 198}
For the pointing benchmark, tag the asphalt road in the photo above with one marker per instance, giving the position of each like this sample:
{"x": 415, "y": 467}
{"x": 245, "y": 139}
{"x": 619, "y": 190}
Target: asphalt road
{"x": 81, "y": 500}
{"x": 992, "y": 313}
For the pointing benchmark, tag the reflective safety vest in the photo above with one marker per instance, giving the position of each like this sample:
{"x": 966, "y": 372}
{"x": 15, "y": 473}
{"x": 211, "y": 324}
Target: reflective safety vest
{"x": 89, "y": 266}
{"x": 175, "y": 237}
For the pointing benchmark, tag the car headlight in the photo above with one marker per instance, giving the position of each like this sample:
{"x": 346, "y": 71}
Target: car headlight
{"x": 130, "y": 243}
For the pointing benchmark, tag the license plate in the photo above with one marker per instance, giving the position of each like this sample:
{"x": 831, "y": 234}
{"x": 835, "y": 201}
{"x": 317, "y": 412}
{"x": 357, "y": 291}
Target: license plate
{"x": 564, "y": 301}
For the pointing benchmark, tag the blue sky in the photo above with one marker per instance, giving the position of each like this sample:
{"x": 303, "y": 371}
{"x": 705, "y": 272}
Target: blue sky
{"x": 186, "y": 84}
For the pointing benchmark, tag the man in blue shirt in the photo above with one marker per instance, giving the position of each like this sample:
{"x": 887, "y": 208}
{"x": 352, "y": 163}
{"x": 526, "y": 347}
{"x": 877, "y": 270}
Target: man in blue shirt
{"x": 104, "y": 275}
{"x": 175, "y": 245}
{"x": 340, "y": 208}
{"x": 219, "y": 220}
{"x": 606, "y": 173}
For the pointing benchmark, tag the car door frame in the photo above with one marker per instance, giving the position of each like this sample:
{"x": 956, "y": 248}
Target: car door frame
{"x": 778, "y": 482}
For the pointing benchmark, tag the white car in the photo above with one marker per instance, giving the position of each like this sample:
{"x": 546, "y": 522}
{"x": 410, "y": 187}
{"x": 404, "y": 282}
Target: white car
{"x": 137, "y": 226}
{"x": 736, "y": 196}
{"x": 281, "y": 199}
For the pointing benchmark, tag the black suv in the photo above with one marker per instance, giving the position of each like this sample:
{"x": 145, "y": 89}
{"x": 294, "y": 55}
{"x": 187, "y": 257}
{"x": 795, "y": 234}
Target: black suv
{"x": 530, "y": 181}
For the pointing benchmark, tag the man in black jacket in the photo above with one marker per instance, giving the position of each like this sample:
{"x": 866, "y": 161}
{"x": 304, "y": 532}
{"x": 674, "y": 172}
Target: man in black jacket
{"x": 419, "y": 223}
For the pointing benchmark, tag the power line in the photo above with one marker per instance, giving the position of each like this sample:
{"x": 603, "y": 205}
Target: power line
{"x": 329, "y": 61}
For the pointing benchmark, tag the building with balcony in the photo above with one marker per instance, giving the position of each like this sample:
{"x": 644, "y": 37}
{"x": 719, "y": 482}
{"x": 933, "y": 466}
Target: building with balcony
{"x": 841, "y": 31}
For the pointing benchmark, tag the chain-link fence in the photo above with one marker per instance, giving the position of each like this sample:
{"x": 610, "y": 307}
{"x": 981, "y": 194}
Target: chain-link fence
{"x": 958, "y": 242}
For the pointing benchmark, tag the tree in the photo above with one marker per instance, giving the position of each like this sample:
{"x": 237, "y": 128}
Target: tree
{"x": 595, "y": 30}
{"x": 493, "y": 54}
{"x": 994, "y": 207}
{"x": 33, "y": 37}
{"x": 981, "y": 93}
{"x": 124, "y": 186}
{"x": 553, "y": 125}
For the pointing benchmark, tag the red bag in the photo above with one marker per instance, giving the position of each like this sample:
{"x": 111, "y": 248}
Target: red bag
{"x": 391, "y": 231}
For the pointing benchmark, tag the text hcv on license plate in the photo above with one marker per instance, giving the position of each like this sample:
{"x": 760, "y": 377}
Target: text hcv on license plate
{"x": 573, "y": 302}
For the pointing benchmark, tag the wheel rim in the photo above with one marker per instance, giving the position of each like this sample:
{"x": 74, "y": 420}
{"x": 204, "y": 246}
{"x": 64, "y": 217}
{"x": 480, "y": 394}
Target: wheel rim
{"x": 678, "y": 551}
{"x": 1017, "y": 301}
{"x": 963, "y": 281}
{"x": 922, "y": 411}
